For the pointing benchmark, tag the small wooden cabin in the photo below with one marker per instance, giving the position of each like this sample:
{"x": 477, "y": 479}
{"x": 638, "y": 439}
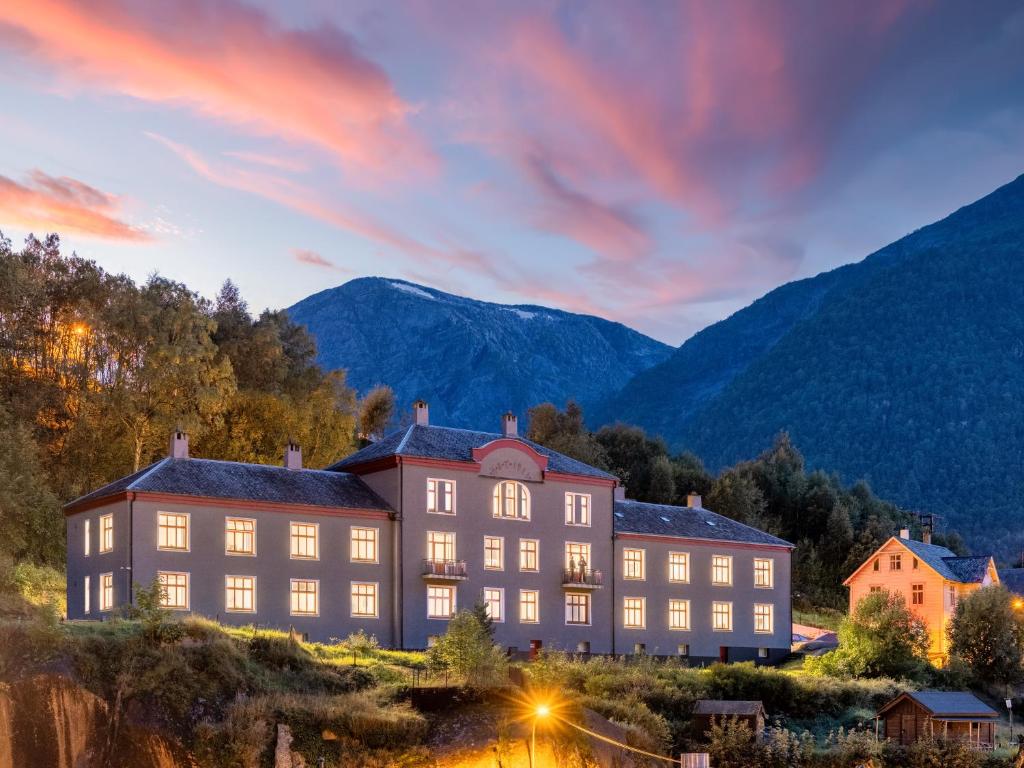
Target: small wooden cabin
{"x": 955, "y": 715}
{"x": 706, "y": 711}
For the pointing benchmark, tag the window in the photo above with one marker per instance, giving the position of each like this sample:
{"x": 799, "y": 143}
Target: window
{"x": 88, "y": 595}
{"x": 441, "y": 497}
{"x": 173, "y": 590}
{"x": 440, "y": 602}
{"x": 896, "y": 562}
{"x": 683, "y": 649}
{"x": 721, "y": 570}
{"x": 440, "y": 546}
{"x": 633, "y": 564}
{"x": 494, "y": 553}
{"x": 87, "y": 545}
{"x": 875, "y": 565}
{"x": 875, "y": 589}
{"x": 577, "y": 509}
{"x": 639, "y": 649}
{"x": 511, "y": 500}
{"x": 762, "y": 653}
{"x": 721, "y": 617}
{"x": 364, "y": 599}
{"x": 106, "y": 591}
{"x": 528, "y": 549}
{"x": 363, "y": 544}
{"x": 679, "y": 567}
{"x": 305, "y": 597}
{"x": 679, "y": 614}
{"x": 952, "y": 597}
{"x": 633, "y": 612}
{"x": 913, "y": 563}
{"x": 239, "y": 536}
{"x": 764, "y": 573}
{"x": 583, "y": 646}
{"x": 764, "y": 618}
{"x": 172, "y": 531}
{"x": 240, "y": 594}
{"x": 529, "y": 606}
{"x": 577, "y": 554}
{"x": 106, "y": 533}
{"x": 577, "y": 608}
{"x": 305, "y": 544}
{"x": 917, "y": 594}
{"x": 494, "y": 603}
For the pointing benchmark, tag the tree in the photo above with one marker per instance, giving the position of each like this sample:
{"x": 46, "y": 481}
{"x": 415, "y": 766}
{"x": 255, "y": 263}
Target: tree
{"x": 661, "y": 488}
{"x": 881, "y": 638}
{"x": 467, "y": 650}
{"x": 360, "y": 644}
{"x": 566, "y": 433}
{"x": 987, "y": 632}
{"x": 375, "y": 412}
{"x": 483, "y": 615}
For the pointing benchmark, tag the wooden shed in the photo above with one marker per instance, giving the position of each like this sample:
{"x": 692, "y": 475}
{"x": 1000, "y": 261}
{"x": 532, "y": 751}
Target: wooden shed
{"x": 957, "y": 715}
{"x": 706, "y": 711}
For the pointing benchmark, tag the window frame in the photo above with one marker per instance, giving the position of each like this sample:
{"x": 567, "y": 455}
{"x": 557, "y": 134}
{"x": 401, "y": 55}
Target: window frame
{"x": 431, "y": 545}
{"x": 771, "y": 618}
{"x": 229, "y": 534}
{"x": 106, "y": 532}
{"x": 638, "y": 604}
{"x": 536, "y": 556}
{"x": 106, "y": 585}
{"x": 453, "y": 596}
{"x": 685, "y": 565}
{"x": 87, "y": 538}
{"x": 728, "y": 605}
{"x": 536, "y": 606}
{"x": 565, "y": 561}
{"x": 292, "y": 539}
{"x": 292, "y": 594}
{"x": 715, "y": 567}
{"x": 917, "y": 594}
{"x": 160, "y": 529}
{"x": 771, "y": 572}
{"x": 353, "y": 542}
{"x": 586, "y": 600}
{"x": 586, "y": 507}
{"x": 353, "y": 597}
{"x": 164, "y": 590}
{"x": 628, "y": 564}
{"x": 685, "y": 610}
{"x": 87, "y": 594}
{"x": 896, "y": 559}
{"x": 499, "y": 500}
{"x": 230, "y": 589}
{"x": 434, "y": 492}
{"x": 501, "y": 603}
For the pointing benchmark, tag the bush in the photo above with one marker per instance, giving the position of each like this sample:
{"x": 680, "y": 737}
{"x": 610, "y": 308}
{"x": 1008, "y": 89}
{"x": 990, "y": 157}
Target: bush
{"x": 26, "y": 644}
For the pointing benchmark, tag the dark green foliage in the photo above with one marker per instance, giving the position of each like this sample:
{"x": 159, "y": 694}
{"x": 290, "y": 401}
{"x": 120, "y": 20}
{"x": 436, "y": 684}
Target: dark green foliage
{"x": 987, "y": 633}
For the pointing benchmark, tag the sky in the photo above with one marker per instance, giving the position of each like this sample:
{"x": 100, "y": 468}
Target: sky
{"x": 661, "y": 164}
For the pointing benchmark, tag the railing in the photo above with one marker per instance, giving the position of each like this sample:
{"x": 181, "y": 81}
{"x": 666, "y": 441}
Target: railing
{"x": 445, "y": 569}
{"x": 584, "y": 577}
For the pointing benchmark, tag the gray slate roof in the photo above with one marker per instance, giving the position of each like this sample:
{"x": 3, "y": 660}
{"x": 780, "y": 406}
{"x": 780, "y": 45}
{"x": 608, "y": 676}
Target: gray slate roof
{"x": 247, "y": 482}
{"x": 967, "y": 570}
{"x": 1013, "y": 579}
{"x": 685, "y": 522}
{"x": 722, "y": 707}
{"x": 950, "y": 703}
{"x": 454, "y": 444}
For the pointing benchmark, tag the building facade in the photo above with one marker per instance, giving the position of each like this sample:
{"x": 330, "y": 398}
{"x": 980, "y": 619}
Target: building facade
{"x": 399, "y": 536}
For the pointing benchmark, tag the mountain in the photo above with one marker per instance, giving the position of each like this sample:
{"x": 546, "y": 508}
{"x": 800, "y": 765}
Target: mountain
{"x": 470, "y": 360}
{"x": 905, "y": 369}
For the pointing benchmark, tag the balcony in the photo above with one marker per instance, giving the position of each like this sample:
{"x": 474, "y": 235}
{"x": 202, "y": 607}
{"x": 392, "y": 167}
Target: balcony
{"x": 444, "y": 570}
{"x": 577, "y": 578}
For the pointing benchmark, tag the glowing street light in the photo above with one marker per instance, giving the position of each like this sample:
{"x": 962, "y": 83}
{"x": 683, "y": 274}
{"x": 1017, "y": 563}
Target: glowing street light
{"x": 541, "y": 710}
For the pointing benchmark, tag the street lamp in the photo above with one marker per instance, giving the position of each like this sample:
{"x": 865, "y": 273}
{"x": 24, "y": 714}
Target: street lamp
{"x": 540, "y": 711}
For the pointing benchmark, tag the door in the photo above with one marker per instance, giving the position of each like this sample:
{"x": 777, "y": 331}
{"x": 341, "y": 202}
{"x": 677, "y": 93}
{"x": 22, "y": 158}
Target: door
{"x": 723, "y": 654}
{"x": 908, "y": 729}
{"x": 534, "y": 648}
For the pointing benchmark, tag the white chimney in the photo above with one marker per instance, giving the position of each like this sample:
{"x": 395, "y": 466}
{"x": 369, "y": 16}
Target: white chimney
{"x": 904, "y": 533}
{"x": 292, "y": 455}
{"x": 420, "y": 414}
{"x": 509, "y": 426}
{"x": 620, "y": 493}
{"x": 693, "y": 501}
{"x": 179, "y": 444}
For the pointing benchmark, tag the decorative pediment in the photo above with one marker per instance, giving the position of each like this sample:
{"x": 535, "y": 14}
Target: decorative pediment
{"x": 510, "y": 459}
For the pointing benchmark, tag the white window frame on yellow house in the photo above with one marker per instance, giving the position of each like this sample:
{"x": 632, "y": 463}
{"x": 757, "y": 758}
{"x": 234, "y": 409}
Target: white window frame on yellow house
{"x": 173, "y": 531}
{"x": 235, "y": 531}
{"x": 239, "y": 590}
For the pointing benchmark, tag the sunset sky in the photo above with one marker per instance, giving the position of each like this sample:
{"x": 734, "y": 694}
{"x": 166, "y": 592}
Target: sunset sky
{"x": 660, "y": 164}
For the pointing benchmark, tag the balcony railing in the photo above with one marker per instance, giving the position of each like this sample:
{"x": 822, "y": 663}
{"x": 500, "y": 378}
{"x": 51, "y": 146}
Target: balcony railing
{"x": 584, "y": 578}
{"x": 454, "y": 570}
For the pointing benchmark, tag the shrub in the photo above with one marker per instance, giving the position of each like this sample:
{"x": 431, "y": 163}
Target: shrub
{"x": 467, "y": 650}
{"x": 25, "y": 644}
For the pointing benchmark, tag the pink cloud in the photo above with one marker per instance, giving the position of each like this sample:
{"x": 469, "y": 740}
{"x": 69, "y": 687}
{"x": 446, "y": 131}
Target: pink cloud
{"x": 66, "y": 206}
{"x": 314, "y": 259}
{"x": 233, "y": 63}
{"x": 277, "y": 162}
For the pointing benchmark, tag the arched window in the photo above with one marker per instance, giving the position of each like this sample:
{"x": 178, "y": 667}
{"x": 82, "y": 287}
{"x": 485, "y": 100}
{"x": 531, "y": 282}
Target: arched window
{"x": 511, "y": 499}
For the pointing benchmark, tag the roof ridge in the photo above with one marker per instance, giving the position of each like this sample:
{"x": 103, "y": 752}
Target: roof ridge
{"x": 147, "y": 473}
{"x": 405, "y": 439}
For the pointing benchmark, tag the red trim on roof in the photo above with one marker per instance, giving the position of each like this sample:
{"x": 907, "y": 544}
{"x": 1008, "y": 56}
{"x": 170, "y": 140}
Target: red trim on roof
{"x": 588, "y": 479}
{"x": 216, "y": 501}
{"x": 729, "y": 542}
{"x": 458, "y": 466}
{"x": 481, "y": 453}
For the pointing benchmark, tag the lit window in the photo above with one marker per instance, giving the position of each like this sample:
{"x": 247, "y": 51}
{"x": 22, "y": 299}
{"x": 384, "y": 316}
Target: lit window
{"x": 494, "y": 603}
{"x": 511, "y": 500}
{"x": 305, "y": 597}
{"x": 363, "y": 544}
{"x": 577, "y": 509}
{"x": 239, "y": 536}
{"x": 305, "y": 545}
{"x": 240, "y": 594}
{"x": 106, "y": 591}
{"x": 917, "y": 594}
{"x": 895, "y": 562}
{"x": 679, "y": 567}
{"x": 529, "y": 606}
{"x": 441, "y": 497}
{"x": 173, "y": 590}
{"x": 440, "y": 602}
{"x": 683, "y": 649}
{"x": 87, "y": 546}
{"x": 364, "y": 599}
{"x": 764, "y": 573}
{"x": 494, "y": 553}
{"x": 721, "y": 570}
{"x": 577, "y": 608}
{"x": 633, "y": 564}
{"x": 764, "y": 618}
{"x": 172, "y": 531}
{"x": 528, "y": 549}
{"x": 762, "y": 653}
{"x": 106, "y": 533}
{"x": 721, "y": 617}
{"x": 678, "y": 614}
{"x": 440, "y": 546}
{"x": 633, "y": 612}
{"x": 577, "y": 555}
{"x": 639, "y": 649}
{"x": 88, "y": 594}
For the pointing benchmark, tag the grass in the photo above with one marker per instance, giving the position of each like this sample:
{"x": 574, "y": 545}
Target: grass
{"x": 824, "y": 618}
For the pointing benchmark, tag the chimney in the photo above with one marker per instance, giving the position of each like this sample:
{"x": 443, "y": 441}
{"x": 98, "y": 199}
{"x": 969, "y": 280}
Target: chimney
{"x": 620, "y": 493}
{"x": 926, "y": 536}
{"x": 508, "y": 425}
{"x": 693, "y": 501}
{"x": 421, "y": 414}
{"x": 179, "y": 444}
{"x": 292, "y": 456}
{"x": 904, "y": 533}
